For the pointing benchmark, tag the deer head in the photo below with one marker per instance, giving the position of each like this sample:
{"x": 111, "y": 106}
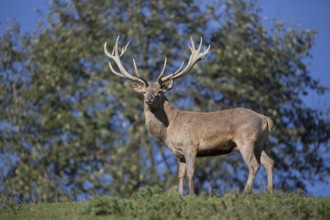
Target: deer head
{"x": 154, "y": 91}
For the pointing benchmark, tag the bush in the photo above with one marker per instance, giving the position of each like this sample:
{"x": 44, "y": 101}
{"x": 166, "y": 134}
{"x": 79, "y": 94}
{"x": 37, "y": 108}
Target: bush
{"x": 154, "y": 203}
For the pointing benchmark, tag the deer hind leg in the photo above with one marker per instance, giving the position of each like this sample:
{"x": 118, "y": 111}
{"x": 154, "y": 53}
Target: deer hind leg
{"x": 268, "y": 163}
{"x": 181, "y": 174}
{"x": 251, "y": 161}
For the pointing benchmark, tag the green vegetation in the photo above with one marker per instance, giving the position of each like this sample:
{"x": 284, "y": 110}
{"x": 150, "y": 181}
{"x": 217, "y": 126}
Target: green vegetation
{"x": 153, "y": 203}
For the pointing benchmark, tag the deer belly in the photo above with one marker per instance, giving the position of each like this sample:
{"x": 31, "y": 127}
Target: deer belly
{"x": 216, "y": 149}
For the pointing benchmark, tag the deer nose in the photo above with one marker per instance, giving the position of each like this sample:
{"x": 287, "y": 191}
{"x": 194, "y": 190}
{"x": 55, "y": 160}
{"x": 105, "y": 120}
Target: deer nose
{"x": 150, "y": 98}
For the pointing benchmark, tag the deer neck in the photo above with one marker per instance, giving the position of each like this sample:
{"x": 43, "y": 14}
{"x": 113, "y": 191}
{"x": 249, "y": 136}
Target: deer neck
{"x": 158, "y": 119}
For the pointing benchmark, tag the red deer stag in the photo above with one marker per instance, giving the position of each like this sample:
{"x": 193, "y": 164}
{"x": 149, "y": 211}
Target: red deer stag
{"x": 198, "y": 134}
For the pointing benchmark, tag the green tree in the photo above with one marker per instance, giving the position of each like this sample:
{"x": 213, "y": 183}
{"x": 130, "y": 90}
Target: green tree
{"x": 70, "y": 128}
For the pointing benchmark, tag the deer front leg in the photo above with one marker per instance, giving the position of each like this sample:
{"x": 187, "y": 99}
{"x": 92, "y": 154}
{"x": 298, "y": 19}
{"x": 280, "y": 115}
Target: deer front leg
{"x": 190, "y": 158}
{"x": 181, "y": 173}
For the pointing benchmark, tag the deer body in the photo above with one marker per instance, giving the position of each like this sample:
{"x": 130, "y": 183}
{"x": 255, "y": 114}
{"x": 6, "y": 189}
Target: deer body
{"x": 209, "y": 134}
{"x": 178, "y": 130}
{"x": 198, "y": 134}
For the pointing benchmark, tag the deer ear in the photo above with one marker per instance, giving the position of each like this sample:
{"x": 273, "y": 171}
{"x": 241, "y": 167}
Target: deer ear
{"x": 138, "y": 87}
{"x": 167, "y": 85}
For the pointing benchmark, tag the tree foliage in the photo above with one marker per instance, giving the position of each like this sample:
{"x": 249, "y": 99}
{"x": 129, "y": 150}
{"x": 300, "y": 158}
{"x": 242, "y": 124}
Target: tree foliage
{"x": 70, "y": 128}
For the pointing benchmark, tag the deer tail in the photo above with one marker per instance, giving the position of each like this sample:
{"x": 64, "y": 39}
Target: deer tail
{"x": 270, "y": 123}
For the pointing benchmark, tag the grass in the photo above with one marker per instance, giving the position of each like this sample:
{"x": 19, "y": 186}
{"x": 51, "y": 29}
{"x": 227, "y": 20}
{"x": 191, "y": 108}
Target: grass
{"x": 154, "y": 203}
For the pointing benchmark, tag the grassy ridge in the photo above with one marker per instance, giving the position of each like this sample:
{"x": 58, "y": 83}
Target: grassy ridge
{"x": 154, "y": 203}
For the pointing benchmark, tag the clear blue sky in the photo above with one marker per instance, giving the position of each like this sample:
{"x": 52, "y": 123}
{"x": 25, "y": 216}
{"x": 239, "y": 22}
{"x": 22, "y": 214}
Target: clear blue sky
{"x": 311, "y": 14}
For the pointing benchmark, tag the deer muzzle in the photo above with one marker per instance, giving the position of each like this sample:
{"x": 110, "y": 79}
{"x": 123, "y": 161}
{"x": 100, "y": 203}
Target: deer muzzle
{"x": 149, "y": 98}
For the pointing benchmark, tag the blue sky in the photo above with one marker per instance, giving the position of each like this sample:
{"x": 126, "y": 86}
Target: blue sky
{"x": 310, "y": 14}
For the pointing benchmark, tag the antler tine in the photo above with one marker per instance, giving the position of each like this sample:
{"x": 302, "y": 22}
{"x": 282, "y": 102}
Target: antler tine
{"x": 135, "y": 68}
{"x": 200, "y": 44}
{"x": 106, "y": 51}
{"x": 122, "y": 71}
{"x": 115, "y": 48}
{"x": 192, "y": 44}
{"x": 138, "y": 74}
{"x": 163, "y": 71}
{"x": 178, "y": 70}
{"x": 205, "y": 52}
{"x": 171, "y": 75}
{"x": 123, "y": 50}
{"x": 196, "y": 56}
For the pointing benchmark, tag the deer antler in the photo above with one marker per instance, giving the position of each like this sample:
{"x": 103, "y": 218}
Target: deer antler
{"x": 115, "y": 56}
{"x": 196, "y": 56}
